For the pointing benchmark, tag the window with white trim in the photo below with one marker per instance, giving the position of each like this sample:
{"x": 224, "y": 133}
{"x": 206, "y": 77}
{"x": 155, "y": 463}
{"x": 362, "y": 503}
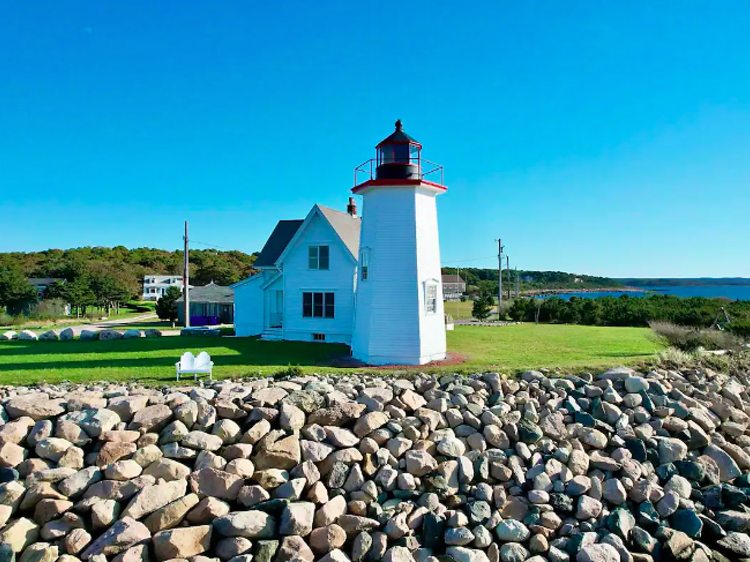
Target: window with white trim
{"x": 318, "y": 305}
{"x": 430, "y": 297}
{"x": 318, "y": 257}
{"x": 365, "y": 263}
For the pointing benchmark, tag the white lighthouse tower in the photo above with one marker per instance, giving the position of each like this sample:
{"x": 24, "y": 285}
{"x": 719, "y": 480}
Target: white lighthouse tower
{"x": 399, "y": 303}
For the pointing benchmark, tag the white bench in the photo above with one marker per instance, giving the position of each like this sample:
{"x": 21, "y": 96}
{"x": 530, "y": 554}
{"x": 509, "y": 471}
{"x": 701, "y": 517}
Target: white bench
{"x": 191, "y": 365}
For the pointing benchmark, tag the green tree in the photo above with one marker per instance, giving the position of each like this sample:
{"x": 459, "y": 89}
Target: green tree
{"x": 482, "y": 307}
{"x": 78, "y": 294}
{"x": 166, "y": 306}
{"x": 109, "y": 286}
{"x": 15, "y": 290}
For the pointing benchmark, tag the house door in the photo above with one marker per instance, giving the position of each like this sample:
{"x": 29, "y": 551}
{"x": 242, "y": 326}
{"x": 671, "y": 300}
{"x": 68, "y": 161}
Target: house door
{"x": 277, "y": 310}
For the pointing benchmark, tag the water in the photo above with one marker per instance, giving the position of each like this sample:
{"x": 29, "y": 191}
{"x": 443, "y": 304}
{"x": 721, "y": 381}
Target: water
{"x": 733, "y": 292}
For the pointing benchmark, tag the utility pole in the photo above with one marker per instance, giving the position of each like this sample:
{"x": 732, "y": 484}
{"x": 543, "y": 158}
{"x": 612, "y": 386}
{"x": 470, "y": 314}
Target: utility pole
{"x": 186, "y": 279}
{"x": 458, "y": 302}
{"x": 499, "y": 274}
{"x": 518, "y": 288}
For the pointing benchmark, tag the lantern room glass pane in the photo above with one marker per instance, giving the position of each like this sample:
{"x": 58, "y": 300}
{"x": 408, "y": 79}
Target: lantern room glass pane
{"x": 413, "y": 154}
{"x": 401, "y": 153}
{"x": 387, "y": 155}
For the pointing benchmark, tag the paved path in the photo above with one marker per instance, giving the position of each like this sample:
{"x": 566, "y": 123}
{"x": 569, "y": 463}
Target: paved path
{"x": 113, "y": 324}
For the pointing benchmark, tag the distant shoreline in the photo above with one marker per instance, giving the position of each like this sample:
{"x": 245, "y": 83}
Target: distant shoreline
{"x": 533, "y": 292}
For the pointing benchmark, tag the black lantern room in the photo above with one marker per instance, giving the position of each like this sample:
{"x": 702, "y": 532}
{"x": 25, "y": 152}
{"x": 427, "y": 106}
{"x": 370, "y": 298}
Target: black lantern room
{"x": 399, "y": 157}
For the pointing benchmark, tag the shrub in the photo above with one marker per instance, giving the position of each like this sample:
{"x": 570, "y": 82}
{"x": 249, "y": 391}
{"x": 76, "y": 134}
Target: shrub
{"x": 504, "y": 309}
{"x": 673, "y": 358}
{"x": 690, "y": 339}
{"x": 740, "y": 329}
{"x": 48, "y": 309}
{"x": 290, "y": 371}
{"x": 481, "y": 308}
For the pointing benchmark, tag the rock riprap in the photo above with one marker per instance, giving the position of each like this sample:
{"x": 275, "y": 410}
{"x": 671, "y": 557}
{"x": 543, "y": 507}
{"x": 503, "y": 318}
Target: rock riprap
{"x": 614, "y": 467}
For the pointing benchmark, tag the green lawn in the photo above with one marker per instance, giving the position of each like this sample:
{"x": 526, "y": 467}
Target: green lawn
{"x": 505, "y": 348}
{"x": 528, "y": 346}
{"x": 461, "y": 310}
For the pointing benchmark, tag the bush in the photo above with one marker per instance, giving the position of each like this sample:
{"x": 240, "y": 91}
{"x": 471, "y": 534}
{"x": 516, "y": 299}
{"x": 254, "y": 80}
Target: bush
{"x": 673, "y": 358}
{"x": 481, "y": 309}
{"x": 691, "y": 339}
{"x": 48, "y": 309}
{"x": 504, "y": 309}
{"x": 740, "y": 329}
{"x": 290, "y": 371}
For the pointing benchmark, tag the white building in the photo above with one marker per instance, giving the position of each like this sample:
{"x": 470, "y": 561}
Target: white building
{"x": 155, "y": 286}
{"x": 373, "y": 283}
{"x": 454, "y": 286}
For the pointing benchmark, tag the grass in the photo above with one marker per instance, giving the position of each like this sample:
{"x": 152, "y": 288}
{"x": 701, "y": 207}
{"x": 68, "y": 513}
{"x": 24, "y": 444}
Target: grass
{"x": 461, "y": 310}
{"x": 533, "y": 346}
{"x": 506, "y": 348}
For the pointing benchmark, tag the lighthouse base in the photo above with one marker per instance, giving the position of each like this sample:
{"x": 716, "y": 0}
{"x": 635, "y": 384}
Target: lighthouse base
{"x": 382, "y": 360}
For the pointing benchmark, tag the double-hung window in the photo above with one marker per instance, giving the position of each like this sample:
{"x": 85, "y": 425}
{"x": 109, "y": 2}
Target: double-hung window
{"x": 365, "y": 263}
{"x": 430, "y": 298}
{"x": 318, "y": 257}
{"x": 318, "y": 305}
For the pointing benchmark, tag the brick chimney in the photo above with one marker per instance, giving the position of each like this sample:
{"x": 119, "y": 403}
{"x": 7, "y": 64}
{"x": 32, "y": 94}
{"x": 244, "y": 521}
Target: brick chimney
{"x": 351, "y": 208}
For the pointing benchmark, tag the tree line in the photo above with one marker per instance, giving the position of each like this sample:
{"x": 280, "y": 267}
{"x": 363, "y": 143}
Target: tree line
{"x": 108, "y": 277}
{"x": 698, "y": 312}
{"x": 483, "y": 280}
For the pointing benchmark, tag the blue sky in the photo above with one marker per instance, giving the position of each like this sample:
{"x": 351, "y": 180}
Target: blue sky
{"x": 608, "y": 138}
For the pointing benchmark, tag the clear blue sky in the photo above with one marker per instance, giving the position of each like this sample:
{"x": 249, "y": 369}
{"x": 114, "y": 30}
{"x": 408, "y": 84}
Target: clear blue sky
{"x": 598, "y": 137}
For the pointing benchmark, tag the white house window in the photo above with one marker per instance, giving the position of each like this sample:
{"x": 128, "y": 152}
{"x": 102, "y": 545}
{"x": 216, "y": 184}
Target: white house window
{"x": 318, "y": 257}
{"x": 430, "y": 298}
{"x": 318, "y": 305}
{"x": 365, "y": 263}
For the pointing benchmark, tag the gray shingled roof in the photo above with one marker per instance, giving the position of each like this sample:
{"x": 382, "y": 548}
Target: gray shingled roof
{"x": 346, "y": 226}
{"x": 45, "y": 280}
{"x": 211, "y": 293}
{"x": 277, "y": 242}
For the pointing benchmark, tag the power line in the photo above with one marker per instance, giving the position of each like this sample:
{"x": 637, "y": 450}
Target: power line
{"x": 209, "y": 245}
{"x": 468, "y": 260}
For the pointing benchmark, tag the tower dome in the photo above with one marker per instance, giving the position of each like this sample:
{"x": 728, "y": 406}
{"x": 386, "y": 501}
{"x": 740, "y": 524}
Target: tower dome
{"x": 399, "y": 156}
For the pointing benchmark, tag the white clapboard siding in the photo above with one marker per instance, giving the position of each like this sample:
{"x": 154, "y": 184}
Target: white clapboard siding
{"x": 432, "y": 326}
{"x": 399, "y": 228}
{"x": 338, "y": 279}
{"x": 248, "y": 306}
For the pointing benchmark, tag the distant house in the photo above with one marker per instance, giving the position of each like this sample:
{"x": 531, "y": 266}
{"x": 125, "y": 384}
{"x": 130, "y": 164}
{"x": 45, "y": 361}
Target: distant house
{"x": 527, "y": 279}
{"x": 453, "y": 286}
{"x": 41, "y": 283}
{"x": 209, "y": 305}
{"x": 155, "y": 286}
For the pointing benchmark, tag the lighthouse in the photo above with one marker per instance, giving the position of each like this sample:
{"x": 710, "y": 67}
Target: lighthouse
{"x": 399, "y": 298}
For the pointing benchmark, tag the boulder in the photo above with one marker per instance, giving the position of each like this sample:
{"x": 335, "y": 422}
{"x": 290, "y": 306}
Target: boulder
{"x": 67, "y": 334}
{"x": 49, "y": 335}
{"x": 182, "y": 543}
{"x": 108, "y": 335}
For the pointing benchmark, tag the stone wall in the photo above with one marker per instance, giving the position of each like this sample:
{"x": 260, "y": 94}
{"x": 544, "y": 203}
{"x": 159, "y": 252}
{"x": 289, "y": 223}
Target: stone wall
{"x": 609, "y": 468}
